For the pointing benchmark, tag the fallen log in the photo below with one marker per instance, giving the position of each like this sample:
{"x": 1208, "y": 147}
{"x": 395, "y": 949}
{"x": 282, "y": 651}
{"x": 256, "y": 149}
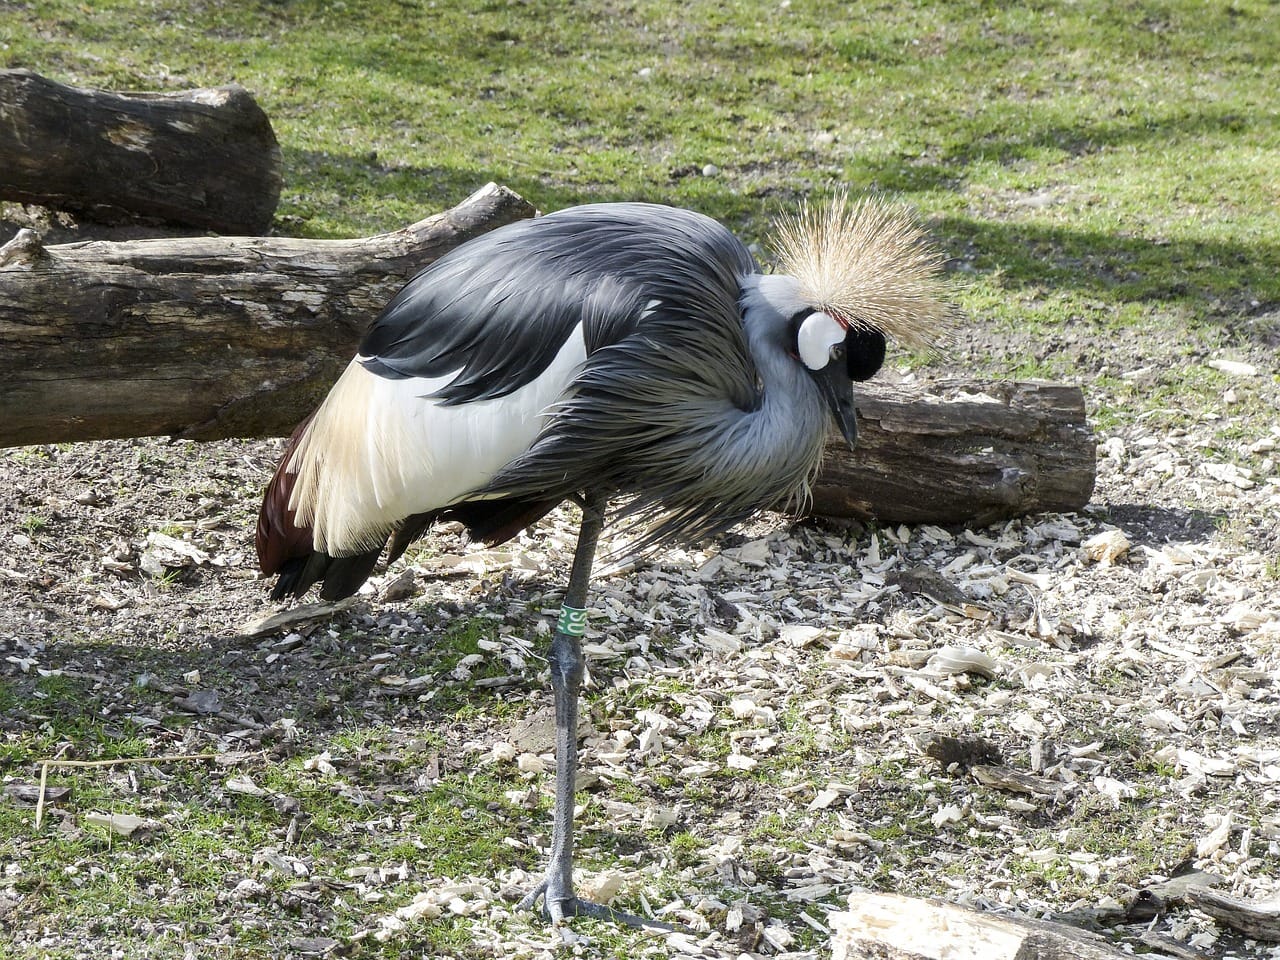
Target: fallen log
{"x": 212, "y": 337}
{"x": 200, "y": 337}
{"x": 205, "y": 158}
{"x": 961, "y": 451}
{"x": 891, "y": 927}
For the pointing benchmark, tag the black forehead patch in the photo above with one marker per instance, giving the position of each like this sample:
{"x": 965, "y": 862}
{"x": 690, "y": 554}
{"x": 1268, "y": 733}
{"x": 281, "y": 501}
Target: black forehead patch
{"x": 863, "y": 352}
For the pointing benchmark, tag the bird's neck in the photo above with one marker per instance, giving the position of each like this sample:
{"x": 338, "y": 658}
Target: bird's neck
{"x": 768, "y": 299}
{"x": 789, "y": 399}
{"x": 790, "y": 425}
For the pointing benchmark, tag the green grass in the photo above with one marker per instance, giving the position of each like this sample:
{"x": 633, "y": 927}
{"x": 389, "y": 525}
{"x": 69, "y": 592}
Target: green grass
{"x": 177, "y": 876}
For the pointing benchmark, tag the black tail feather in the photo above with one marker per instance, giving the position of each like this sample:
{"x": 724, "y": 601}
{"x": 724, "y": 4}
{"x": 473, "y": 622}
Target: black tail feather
{"x": 492, "y": 521}
{"x": 497, "y": 521}
{"x": 345, "y": 574}
{"x": 338, "y": 577}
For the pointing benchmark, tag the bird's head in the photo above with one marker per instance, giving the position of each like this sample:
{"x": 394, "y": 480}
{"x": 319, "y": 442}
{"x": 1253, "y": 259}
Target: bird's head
{"x": 858, "y": 274}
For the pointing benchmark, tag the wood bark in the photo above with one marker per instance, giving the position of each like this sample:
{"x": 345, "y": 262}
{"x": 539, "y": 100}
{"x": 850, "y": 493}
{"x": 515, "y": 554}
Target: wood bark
{"x": 205, "y": 158}
{"x": 202, "y": 337}
{"x": 961, "y": 451}
{"x": 892, "y": 927}
{"x": 1257, "y": 920}
{"x": 215, "y": 337}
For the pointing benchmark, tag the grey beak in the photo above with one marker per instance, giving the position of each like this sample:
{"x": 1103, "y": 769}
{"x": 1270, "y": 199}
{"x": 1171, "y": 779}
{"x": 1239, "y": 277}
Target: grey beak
{"x": 837, "y": 389}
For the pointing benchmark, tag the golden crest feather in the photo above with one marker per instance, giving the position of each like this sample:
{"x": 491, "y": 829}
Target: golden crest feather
{"x": 868, "y": 263}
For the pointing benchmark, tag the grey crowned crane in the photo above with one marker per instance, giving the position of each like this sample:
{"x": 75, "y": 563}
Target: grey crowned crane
{"x": 628, "y": 356}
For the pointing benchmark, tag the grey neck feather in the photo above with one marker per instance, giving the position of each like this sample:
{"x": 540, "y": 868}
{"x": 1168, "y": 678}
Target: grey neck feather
{"x": 786, "y": 433}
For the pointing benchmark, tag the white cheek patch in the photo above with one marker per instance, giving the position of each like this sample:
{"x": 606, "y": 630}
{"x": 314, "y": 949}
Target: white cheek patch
{"x": 818, "y": 334}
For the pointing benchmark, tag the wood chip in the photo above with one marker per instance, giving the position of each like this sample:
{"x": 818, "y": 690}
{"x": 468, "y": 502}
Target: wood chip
{"x": 293, "y": 617}
{"x": 903, "y": 928}
{"x": 1006, "y": 778}
{"x": 124, "y": 824}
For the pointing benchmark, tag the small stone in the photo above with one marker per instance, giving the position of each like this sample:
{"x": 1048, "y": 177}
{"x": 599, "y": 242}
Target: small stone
{"x": 203, "y": 702}
{"x": 401, "y": 588}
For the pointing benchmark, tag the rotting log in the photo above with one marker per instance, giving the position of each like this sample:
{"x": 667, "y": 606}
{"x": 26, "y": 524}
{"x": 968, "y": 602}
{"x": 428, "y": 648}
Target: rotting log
{"x": 891, "y": 927}
{"x": 961, "y": 452}
{"x": 204, "y": 158}
{"x": 200, "y": 337}
{"x": 211, "y": 337}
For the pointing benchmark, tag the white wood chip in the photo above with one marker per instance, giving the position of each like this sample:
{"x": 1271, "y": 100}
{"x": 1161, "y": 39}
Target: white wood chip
{"x": 803, "y": 635}
{"x": 948, "y": 813}
{"x": 1235, "y": 368}
{"x": 1114, "y": 790}
{"x": 124, "y": 824}
{"x": 321, "y": 763}
{"x": 778, "y": 936}
{"x": 754, "y": 554}
{"x": 531, "y": 763}
{"x": 244, "y": 785}
{"x": 1041, "y": 581}
{"x": 1218, "y": 836}
{"x": 955, "y": 659}
{"x": 1164, "y": 720}
{"x": 824, "y": 798}
{"x": 1239, "y": 477}
{"x": 659, "y": 818}
{"x": 1246, "y": 618}
{"x": 602, "y": 887}
{"x": 1106, "y": 547}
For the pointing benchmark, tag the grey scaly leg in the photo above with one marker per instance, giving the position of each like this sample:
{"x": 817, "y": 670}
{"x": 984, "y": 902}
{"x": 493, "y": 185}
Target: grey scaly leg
{"x": 565, "y": 659}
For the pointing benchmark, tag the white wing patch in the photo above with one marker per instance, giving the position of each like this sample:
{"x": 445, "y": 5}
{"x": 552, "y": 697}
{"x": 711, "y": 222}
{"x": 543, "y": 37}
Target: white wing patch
{"x": 379, "y": 450}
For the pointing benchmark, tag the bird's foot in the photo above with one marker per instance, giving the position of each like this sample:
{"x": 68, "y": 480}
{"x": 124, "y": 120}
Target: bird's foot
{"x": 557, "y": 907}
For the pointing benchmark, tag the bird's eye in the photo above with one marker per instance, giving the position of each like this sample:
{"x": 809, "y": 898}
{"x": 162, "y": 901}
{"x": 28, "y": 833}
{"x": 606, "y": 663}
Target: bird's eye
{"x": 837, "y": 352}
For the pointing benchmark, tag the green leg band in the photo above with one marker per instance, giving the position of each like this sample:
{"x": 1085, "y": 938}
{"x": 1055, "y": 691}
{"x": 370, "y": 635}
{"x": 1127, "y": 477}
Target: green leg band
{"x": 573, "y": 621}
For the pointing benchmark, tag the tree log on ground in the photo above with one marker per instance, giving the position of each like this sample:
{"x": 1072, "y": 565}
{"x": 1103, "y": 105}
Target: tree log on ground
{"x": 205, "y": 158}
{"x": 200, "y": 337}
{"x": 961, "y": 451}
{"x": 217, "y": 337}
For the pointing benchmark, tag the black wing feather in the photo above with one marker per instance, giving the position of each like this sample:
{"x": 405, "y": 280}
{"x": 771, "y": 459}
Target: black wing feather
{"x": 498, "y": 309}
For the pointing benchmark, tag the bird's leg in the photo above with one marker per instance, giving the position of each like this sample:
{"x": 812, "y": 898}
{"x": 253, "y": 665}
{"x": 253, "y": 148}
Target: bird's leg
{"x": 566, "y": 662}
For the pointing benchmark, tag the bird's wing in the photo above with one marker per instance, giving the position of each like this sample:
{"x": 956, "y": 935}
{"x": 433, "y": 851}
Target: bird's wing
{"x": 662, "y": 407}
{"x": 492, "y": 314}
{"x": 462, "y": 373}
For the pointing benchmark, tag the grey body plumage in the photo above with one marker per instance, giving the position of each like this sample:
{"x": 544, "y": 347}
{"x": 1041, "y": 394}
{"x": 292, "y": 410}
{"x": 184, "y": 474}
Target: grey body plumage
{"x": 631, "y": 354}
{"x": 695, "y": 411}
